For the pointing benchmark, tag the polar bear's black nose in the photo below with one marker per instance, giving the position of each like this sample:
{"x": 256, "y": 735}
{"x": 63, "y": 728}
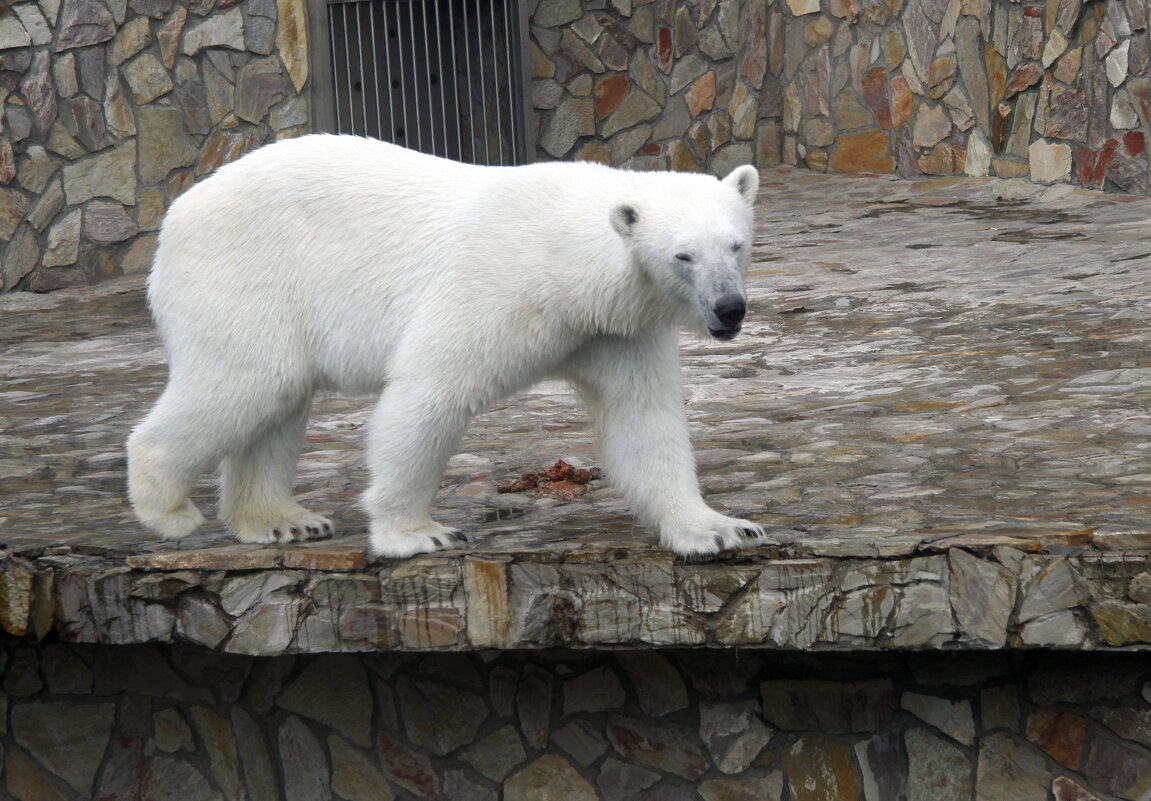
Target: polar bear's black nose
{"x": 729, "y": 310}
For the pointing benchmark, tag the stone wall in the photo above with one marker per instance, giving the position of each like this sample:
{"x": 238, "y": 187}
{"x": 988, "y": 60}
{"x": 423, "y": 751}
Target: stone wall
{"x": 1054, "y": 91}
{"x": 166, "y": 722}
{"x": 654, "y": 85}
{"x": 110, "y": 109}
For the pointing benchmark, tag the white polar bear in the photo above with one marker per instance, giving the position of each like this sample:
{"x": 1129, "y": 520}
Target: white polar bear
{"x": 341, "y": 263}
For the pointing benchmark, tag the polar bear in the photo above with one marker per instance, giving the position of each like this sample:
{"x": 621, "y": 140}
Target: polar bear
{"x": 337, "y": 263}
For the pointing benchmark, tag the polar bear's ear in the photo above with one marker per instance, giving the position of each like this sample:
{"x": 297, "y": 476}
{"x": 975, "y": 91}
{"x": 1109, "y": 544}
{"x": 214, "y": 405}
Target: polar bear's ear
{"x": 623, "y": 219}
{"x": 744, "y": 180}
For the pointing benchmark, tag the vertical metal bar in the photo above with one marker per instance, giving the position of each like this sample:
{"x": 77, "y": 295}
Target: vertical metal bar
{"x": 360, "y": 53}
{"x": 391, "y": 137}
{"x": 496, "y": 84}
{"x": 335, "y": 69}
{"x": 509, "y": 53}
{"x": 415, "y": 81}
{"x": 455, "y": 88}
{"x": 483, "y": 82}
{"x": 439, "y": 40}
{"x": 348, "y": 72}
{"x": 471, "y": 90}
{"x": 375, "y": 70}
{"x": 428, "y": 80}
{"x": 403, "y": 77}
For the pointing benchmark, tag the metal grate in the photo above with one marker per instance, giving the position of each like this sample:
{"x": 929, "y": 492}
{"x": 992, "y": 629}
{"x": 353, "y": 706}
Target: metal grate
{"x": 438, "y": 76}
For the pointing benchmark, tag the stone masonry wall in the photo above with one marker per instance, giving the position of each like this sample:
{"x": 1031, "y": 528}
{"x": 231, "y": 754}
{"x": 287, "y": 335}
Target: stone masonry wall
{"x": 654, "y": 85}
{"x": 1054, "y": 91}
{"x": 167, "y": 722}
{"x": 109, "y": 109}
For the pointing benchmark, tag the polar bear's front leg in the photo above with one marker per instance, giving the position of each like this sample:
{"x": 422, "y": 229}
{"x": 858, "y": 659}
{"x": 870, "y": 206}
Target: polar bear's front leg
{"x": 413, "y": 431}
{"x": 633, "y": 389}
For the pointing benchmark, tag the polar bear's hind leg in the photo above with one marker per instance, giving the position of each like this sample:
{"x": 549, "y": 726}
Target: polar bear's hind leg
{"x": 167, "y": 452}
{"x": 256, "y": 488}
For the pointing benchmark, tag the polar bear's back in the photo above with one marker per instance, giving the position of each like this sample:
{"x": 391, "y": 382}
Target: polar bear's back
{"x": 294, "y": 196}
{"x": 318, "y": 253}
{"x": 322, "y": 250}
{"x": 300, "y": 197}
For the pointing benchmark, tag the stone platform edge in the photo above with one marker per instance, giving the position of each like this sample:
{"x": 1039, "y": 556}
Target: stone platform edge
{"x": 1073, "y": 589}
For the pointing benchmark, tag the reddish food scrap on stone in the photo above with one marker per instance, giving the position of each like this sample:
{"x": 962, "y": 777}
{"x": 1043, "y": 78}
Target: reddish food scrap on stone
{"x": 561, "y": 481}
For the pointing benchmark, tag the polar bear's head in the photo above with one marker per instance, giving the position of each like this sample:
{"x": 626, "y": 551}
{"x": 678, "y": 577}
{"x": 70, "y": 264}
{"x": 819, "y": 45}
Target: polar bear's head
{"x": 692, "y": 234}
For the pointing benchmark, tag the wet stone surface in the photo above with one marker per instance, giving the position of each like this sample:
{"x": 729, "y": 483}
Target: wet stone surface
{"x": 938, "y": 409}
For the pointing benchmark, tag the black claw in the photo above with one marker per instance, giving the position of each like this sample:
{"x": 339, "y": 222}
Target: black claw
{"x": 313, "y": 530}
{"x": 327, "y": 528}
{"x": 436, "y": 540}
{"x": 718, "y": 541}
{"x": 457, "y": 536}
{"x": 295, "y": 531}
{"x": 276, "y": 533}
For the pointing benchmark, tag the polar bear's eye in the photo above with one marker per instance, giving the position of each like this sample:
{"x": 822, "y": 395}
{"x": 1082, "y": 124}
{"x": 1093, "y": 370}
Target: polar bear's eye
{"x": 737, "y": 247}
{"x": 684, "y": 257}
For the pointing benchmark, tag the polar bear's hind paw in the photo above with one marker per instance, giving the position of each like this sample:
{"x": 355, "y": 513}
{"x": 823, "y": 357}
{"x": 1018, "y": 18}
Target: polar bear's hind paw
{"x": 295, "y": 526}
{"x": 180, "y": 522}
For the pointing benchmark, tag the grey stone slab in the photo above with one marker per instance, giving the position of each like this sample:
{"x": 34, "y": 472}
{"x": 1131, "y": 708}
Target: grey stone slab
{"x": 68, "y": 738}
{"x": 619, "y": 781}
{"x": 216, "y": 734}
{"x": 307, "y": 775}
{"x": 734, "y": 733}
{"x": 670, "y": 747}
{"x": 439, "y": 717}
{"x": 937, "y": 768}
{"x": 657, "y": 684}
{"x": 354, "y": 777}
{"x": 982, "y": 597}
{"x": 219, "y": 30}
{"x": 168, "y": 779}
{"x": 1009, "y": 769}
{"x": 496, "y": 755}
{"x": 333, "y": 690}
{"x": 595, "y": 691}
{"x": 832, "y": 707}
{"x": 953, "y": 718}
{"x": 582, "y": 740}
{"x": 110, "y": 173}
{"x": 881, "y": 764}
{"x": 84, "y": 22}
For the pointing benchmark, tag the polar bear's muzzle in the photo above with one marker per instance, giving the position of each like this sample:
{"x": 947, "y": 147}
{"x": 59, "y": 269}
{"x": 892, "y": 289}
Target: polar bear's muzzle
{"x": 728, "y": 312}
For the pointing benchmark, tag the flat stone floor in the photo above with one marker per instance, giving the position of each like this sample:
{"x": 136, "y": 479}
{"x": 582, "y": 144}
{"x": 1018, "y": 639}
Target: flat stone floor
{"x": 926, "y": 364}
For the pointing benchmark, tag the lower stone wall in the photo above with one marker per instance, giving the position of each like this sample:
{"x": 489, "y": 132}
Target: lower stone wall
{"x": 166, "y": 722}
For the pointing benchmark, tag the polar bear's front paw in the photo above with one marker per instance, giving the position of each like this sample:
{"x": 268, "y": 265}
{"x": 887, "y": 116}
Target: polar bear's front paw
{"x": 392, "y": 543}
{"x": 290, "y": 525}
{"x": 709, "y": 534}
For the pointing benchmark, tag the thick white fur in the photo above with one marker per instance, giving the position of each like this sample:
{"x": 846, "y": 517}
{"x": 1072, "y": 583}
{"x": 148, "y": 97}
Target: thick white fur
{"x": 339, "y": 263}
